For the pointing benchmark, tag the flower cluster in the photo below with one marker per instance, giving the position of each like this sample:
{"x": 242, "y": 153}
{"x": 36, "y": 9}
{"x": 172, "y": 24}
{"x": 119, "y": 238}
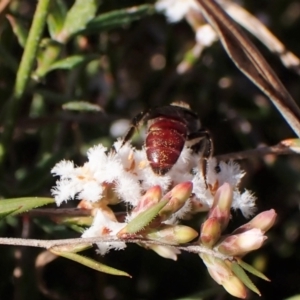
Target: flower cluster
{"x": 244, "y": 239}
{"x": 156, "y": 204}
{"x": 124, "y": 175}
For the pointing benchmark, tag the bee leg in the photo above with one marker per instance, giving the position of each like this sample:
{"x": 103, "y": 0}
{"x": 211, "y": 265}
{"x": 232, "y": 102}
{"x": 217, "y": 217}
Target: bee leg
{"x": 136, "y": 123}
{"x": 202, "y": 142}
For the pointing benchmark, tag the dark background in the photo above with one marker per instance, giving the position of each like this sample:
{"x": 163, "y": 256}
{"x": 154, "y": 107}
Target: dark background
{"x": 136, "y": 69}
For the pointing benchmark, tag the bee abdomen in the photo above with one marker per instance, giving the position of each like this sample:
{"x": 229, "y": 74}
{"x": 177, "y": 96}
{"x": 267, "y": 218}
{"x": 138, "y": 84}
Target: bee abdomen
{"x": 164, "y": 144}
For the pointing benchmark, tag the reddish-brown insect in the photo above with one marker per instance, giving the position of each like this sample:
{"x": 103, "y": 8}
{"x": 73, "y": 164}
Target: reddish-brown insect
{"x": 169, "y": 128}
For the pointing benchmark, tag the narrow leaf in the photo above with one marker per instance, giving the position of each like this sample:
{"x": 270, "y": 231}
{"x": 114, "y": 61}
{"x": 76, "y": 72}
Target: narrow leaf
{"x": 241, "y": 274}
{"x": 261, "y": 32}
{"x": 296, "y": 297}
{"x": 5, "y": 214}
{"x": 70, "y": 248}
{"x": 93, "y": 264}
{"x": 118, "y": 18}
{"x": 81, "y": 106}
{"x": 143, "y": 219}
{"x": 19, "y": 205}
{"x": 249, "y": 60}
{"x": 77, "y": 17}
{"x": 19, "y": 29}
{"x": 79, "y": 221}
{"x": 48, "y": 53}
{"x": 56, "y": 17}
{"x": 71, "y": 62}
{"x": 252, "y": 270}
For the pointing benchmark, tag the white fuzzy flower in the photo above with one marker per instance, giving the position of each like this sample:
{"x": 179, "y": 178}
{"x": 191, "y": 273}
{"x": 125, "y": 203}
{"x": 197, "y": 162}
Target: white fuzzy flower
{"x": 218, "y": 174}
{"x": 91, "y": 191}
{"x": 64, "y": 169}
{"x": 128, "y": 189}
{"x": 176, "y": 10}
{"x": 206, "y": 35}
{"x": 103, "y": 226}
{"x": 65, "y": 190}
{"x": 129, "y": 174}
{"x": 245, "y": 202}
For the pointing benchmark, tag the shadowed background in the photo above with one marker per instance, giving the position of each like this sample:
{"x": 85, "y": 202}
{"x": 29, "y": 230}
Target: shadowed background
{"x": 134, "y": 68}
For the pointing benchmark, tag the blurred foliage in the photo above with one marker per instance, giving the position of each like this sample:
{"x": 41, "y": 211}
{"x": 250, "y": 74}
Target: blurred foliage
{"x": 121, "y": 60}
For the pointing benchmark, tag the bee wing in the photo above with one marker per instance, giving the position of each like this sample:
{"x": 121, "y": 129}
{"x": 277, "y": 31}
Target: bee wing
{"x": 249, "y": 60}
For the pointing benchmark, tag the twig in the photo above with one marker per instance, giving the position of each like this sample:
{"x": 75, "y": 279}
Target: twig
{"x": 278, "y": 149}
{"x": 68, "y": 212}
{"x": 24, "y": 72}
{"x": 48, "y": 244}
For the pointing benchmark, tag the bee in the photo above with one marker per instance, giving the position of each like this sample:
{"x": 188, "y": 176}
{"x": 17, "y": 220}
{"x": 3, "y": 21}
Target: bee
{"x": 169, "y": 129}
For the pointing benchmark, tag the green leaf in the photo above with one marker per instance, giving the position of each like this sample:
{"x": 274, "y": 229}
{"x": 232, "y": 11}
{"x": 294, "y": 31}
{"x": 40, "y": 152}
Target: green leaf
{"x": 81, "y": 106}
{"x": 77, "y": 17}
{"x": 241, "y": 274}
{"x": 56, "y": 17}
{"x": 70, "y": 248}
{"x": 19, "y": 205}
{"x": 5, "y": 214}
{"x": 49, "y": 51}
{"x": 19, "y": 29}
{"x": 72, "y": 62}
{"x": 118, "y": 18}
{"x": 143, "y": 219}
{"x": 252, "y": 270}
{"x": 296, "y": 297}
{"x": 88, "y": 262}
{"x": 85, "y": 221}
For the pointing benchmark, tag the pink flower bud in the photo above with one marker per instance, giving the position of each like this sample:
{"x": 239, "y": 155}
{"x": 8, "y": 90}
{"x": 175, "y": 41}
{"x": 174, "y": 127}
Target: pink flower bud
{"x": 242, "y": 243}
{"x": 223, "y": 275}
{"x": 181, "y": 191}
{"x": 173, "y": 234}
{"x": 165, "y": 251}
{"x": 263, "y": 221}
{"x": 222, "y": 204}
{"x": 151, "y": 197}
{"x": 217, "y": 268}
{"x": 210, "y": 232}
{"x": 178, "y": 196}
{"x": 235, "y": 287}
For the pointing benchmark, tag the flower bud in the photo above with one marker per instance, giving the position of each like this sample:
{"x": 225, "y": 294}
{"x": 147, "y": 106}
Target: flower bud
{"x": 242, "y": 243}
{"x": 217, "y": 268}
{"x": 235, "y": 287}
{"x": 174, "y": 234}
{"x": 263, "y": 221}
{"x": 165, "y": 251}
{"x": 223, "y": 275}
{"x": 222, "y": 204}
{"x": 178, "y": 196}
{"x": 151, "y": 197}
{"x": 210, "y": 232}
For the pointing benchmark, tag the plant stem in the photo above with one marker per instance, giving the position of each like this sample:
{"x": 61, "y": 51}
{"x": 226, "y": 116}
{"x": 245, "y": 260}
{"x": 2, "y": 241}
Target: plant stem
{"x": 23, "y": 74}
{"x": 48, "y": 244}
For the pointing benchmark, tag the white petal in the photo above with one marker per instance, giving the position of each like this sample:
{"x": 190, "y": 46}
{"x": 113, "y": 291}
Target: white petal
{"x": 91, "y": 191}
{"x": 64, "y": 169}
{"x": 175, "y": 10}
